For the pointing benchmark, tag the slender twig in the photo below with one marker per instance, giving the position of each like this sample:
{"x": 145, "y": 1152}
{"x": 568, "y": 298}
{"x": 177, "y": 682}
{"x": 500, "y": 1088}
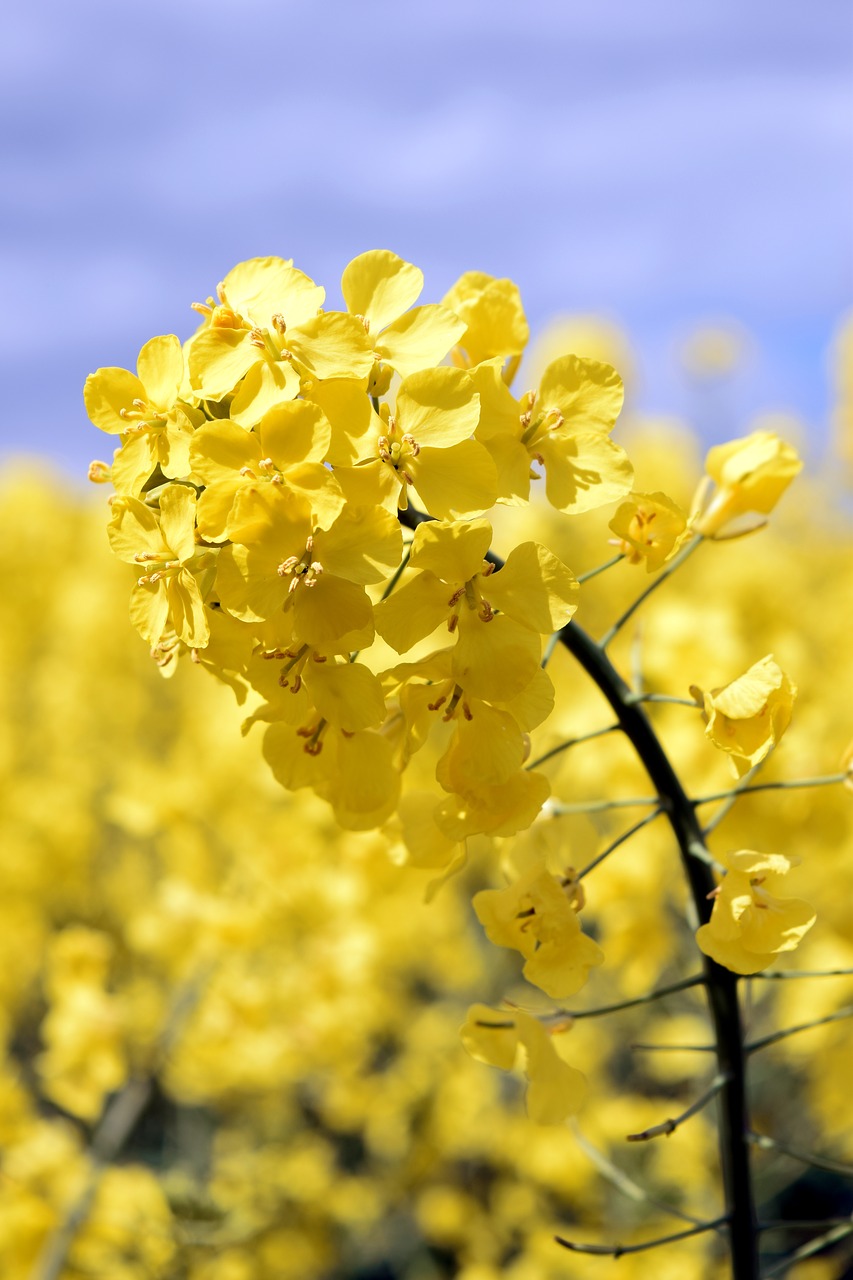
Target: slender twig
{"x": 782, "y": 784}
{"x": 676, "y": 1048}
{"x": 666, "y": 1127}
{"x": 571, "y": 742}
{"x": 601, "y": 806}
{"x": 593, "y": 573}
{"x": 765, "y": 1143}
{"x": 620, "y": 840}
{"x": 810, "y": 1249}
{"x": 778, "y": 975}
{"x": 754, "y": 1045}
{"x": 665, "y": 573}
{"x": 697, "y": 980}
{"x": 801, "y": 1224}
{"x": 619, "y": 1250}
{"x": 732, "y": 799}
{"x": 629, "y": 1188}
{"x": 397, "y": 574}
{"x": 634, "y": 698}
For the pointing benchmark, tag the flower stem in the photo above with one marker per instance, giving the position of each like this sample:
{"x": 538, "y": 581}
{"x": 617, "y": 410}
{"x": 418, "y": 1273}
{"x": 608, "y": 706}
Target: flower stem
{"x": 665, "y": 573}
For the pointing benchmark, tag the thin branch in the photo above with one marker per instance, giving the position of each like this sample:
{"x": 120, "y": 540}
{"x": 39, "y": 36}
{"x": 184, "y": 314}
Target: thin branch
{"x": 593, "y": 573}
{"x": 601, "y": 806}
{"x": 697, "y": 980}
{"x": 661, "y": 697}
{"x": 665, "y": 573}
{"x": 666, "y": 1127}
{"x": 804, "y": 1157}
{"x": 571, "y": 742}
{"x": 629, "y": 1188}
{"x": 810, "y": 1249}
{"x": 801, "y": 1224}
{"x": 673, "y": 1048}
{"x": 778, "y": 975}
{"x": 733, "y": 797}
{"x": 619, "y": 1250}
{"x": 789, "y": 784}
{"x": 620, "y": 840}
{"x": 752, "y": 1046}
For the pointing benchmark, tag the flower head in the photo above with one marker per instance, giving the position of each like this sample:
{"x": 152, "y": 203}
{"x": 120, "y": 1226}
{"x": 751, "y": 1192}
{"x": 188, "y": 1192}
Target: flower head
{"x": 748, "y": 925}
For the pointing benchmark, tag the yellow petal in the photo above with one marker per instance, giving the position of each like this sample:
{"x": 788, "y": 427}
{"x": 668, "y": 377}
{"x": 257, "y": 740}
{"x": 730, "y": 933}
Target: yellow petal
{"x": 297, "y": 431}
{"x": 419, "y": 340}
{"x": 327, "y": 610}
{"x": 556, "y": 1090}
{"x": 331, "y": 345}
{"x": 584, "y": 470}
{"x": 161, "y": 370}
{"x": 453, "y": 550}
{"x": 588, "y": 395}
{"x": 455, "y": 482}
{"x": 346, "y": 694}
{"x": 106, "y": 393}
{"x": 412, "y": 611}
{"x": 439, "y": 407}
{"x": 491, "y": 1036}
{"x": 365, "y": 544}
{"x": 263, "y": 287}
{"x": 267, "y": 384}
{"x": 380, "y": 286}
{"x": 535, "y": 588}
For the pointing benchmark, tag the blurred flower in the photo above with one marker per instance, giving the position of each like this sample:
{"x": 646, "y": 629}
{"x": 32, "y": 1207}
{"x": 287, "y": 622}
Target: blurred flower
{"x": 748, "y": 925}
{"x": 747, "y": 717}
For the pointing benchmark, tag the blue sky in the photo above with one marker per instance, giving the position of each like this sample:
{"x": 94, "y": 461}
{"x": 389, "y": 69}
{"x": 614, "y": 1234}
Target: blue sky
{"x": 661, "y": 163}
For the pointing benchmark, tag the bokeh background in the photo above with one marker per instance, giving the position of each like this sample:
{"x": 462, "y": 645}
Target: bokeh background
{"x": 665, "y": 164}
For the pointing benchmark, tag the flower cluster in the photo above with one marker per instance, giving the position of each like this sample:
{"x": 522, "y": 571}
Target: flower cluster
{"x": 261, "y": 473}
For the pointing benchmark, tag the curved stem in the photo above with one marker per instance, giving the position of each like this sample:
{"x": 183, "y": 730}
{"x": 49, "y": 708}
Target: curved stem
{"x": 721, "y": 985}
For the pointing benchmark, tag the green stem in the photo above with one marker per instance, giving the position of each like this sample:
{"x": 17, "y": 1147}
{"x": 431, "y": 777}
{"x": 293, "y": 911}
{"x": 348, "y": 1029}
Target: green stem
{"x": 754, "y": 1045}
{"x": 698, "y": 979}
{"x": 665, "y": 573}
{"x": 662, "y": 697}
{"x": 571, "y": 742}
{"x": 792, "y": 784}
{"x": 666, "y": 1127}
{"x": 620, "y": 840}
{"x": 593, "y": 573}
{"x": 619, "y": 1250}
{"x": 601, "y": 806}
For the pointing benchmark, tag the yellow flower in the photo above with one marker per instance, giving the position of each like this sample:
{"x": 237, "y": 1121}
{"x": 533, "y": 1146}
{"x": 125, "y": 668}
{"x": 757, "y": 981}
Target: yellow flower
{"x": 536, "y": 917}
{"x": 145, "y": 409}
{"x": 286, "y": 450}
{"x": 167, "y": 594}
{"x": 747, "y": 717}
{"x": 555, "y": 1090}
{"x": 533, "y": 588}
{"x": 494, "y": 319}
{"x": 562, "y": 427}
{"x": 266, "y": 332}
{"x": 648, "y": 528}
{"x": 381, "y": 288}
{"x": 750, "y": 475}
{"x": 748, "y": 925}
